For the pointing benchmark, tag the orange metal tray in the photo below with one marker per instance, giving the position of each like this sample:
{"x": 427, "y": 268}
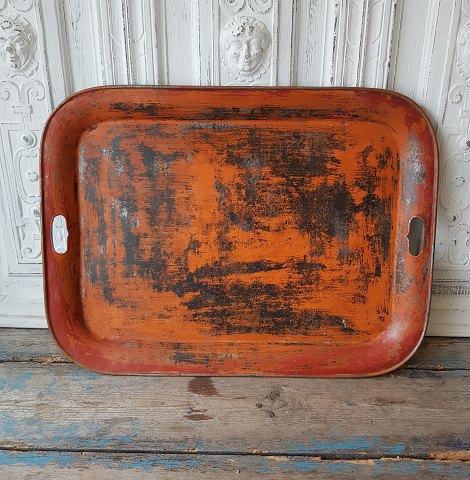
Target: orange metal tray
{"x": 224, "y": 231}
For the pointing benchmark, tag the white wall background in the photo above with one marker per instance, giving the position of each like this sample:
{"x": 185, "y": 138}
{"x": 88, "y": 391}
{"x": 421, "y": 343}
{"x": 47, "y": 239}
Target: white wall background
{"x": 52, "y": 48}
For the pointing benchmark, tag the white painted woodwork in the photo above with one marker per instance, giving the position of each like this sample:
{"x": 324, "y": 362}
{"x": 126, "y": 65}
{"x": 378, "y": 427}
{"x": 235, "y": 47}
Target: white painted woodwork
{"x": 51, "y": 48}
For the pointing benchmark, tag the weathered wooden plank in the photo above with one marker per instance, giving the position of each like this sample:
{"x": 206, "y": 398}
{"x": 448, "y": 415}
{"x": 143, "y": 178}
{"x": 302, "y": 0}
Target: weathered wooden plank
{"x": 51, "y": 465}
{"x": 442, "y": 353}
{"x": 33, "y": 345}
{"x": 28, "y": 345}
{"x": 410, "y": 413}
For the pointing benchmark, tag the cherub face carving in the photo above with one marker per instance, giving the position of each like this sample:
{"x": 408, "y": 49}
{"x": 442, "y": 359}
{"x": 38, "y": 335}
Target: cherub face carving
{"x": 17, "y": 47}
{"x": 244, "y": 42}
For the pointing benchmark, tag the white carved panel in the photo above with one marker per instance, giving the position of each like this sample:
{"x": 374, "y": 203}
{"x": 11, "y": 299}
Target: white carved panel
{"x": 181, "y": 39}
{"x": 22, "y": 175}
{"x": 52, "y": 48}
{"x": 245, "y": 51}
{"x": 79, "y": 31}
{"x": 24, "y": 105}
{"x": 453, "y": 232}
{"x": 241, "y": 42}
{"x": 142, "y": 42}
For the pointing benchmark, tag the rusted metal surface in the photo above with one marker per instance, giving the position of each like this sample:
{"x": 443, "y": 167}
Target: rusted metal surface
{"x": 238, "y": 231}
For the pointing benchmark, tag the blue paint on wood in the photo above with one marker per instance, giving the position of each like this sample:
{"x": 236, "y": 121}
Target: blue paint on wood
{"x": 246, "y": 464}
{"x": 18, "y": 382}
{"x": 37, "y": 459}
{"x": 64, "y": 459}
{"x": 414, "y": 468}
{"x": 9, "y": 426}
{"x": 34, "y": 431}
{"x": 283, "y": 464}
{"x": 352, "y": 444}
{"x": 44, "y": 432}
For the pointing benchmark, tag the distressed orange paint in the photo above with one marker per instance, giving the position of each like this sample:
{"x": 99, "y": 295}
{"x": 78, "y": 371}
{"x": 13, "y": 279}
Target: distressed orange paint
{"x": 238, "y": 231}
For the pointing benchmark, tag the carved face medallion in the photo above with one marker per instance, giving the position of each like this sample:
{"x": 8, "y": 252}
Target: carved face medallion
{"x": 17, "y": 47}
{"x": 244, "y": 43}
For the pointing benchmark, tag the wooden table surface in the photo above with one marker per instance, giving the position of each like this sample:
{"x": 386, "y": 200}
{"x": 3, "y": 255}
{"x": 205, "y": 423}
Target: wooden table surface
{"x": 60, "y": 421}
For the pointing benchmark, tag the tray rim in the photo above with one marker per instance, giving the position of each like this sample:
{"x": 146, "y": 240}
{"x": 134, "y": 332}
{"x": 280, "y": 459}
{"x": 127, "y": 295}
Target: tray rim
{"x": 405, "y": 99}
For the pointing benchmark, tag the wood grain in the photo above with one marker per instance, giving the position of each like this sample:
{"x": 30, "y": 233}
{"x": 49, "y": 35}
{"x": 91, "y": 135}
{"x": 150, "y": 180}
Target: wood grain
{"x": 47, "y": 465}
{"x": 410, "y": 413}
{"x": 59, "y": 421}
{"x": 29, "y": 345}
{"x": 441, "y": 353}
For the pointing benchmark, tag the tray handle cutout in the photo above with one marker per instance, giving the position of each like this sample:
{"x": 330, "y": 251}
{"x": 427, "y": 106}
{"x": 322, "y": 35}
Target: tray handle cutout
{"x": 415, "y": 236}
{"x": 59, "y": 234}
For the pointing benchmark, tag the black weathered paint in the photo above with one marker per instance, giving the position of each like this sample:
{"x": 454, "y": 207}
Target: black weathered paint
{"x": 97, "y": 265}
{"x": 308, "y": 185}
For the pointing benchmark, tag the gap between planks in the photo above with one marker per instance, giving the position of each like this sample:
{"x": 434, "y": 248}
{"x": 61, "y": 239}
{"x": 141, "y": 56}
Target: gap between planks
{"x": 452, "y": 456}
{"x": 121, "y": 466}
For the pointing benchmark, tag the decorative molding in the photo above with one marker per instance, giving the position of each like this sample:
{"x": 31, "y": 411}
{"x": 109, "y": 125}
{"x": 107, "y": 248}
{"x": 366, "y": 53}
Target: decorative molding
{"x": 462, "y": 62}
{"x": 142, "y": 42}
{"x": 426, "y": 64}
{"x": 260, "y": 6}
{"x": 351, "y": 15}
{"x": 453, "y": 230}
{"x": 23, "y": 172}
{"x": 314, "y": 41}
{"x": 21, "y": 5}
{"x": 114, "y": 38}
{"x": 363, "y": 42}
{"x": 17, "y": 47}
{"x": 22, "y": 96}
{"x": 246, "y": 44}
{"x": 450, "y": 288}
{"x": 179, "y": 37}
{"x": 161, "y": 56}
{"x": 256, "y": 6}
{"x": 245, "y": 49}
{"x": 26, "y": 160}
{"x": 394, "y": 42}
{"x": 25, "y": 103}
{"x": 379, "y": 25}
{"x": 251, "y": 28}
{"x": 276, "y": 46}
{"x": 196, "y": 43}
{"x": 232, "y": 6}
